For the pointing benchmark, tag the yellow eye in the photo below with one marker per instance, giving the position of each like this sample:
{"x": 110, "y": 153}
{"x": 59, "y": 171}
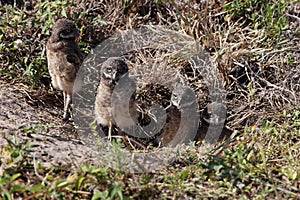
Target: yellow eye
{"x": 108, "y": 70}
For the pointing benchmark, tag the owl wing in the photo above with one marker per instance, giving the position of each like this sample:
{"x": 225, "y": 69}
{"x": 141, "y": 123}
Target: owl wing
{"x": 74, "y": 56}
{"x": 171, "y": 127}
{"x": 55, "y": 46}
{"x": 181, "y": 126}
{"x": 71, "y": 60}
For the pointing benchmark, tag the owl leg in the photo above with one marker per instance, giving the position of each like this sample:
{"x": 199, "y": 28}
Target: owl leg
{"x": 109, "y": 130}
{"x": 67, "y": 101}
{"x": 65, "y": 96}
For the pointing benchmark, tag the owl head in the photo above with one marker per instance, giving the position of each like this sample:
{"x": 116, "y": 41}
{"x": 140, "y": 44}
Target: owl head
{"x": 183, "y": 97}
{"x": 113, "y": 69}
{"x": 64, "y": 29}
{"x": 215, "y": 113}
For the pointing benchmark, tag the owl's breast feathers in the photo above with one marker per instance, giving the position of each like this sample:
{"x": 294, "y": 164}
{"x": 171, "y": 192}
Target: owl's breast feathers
{"x": 64, "y": 58}
{"x": 103, "y": 109}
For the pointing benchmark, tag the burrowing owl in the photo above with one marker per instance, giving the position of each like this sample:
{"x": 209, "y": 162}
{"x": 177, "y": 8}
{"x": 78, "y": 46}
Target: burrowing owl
{"x": 115, "y": 100}
{"x": 182, "y": 118}
{"x": 213, "y": 123}
{"x": 64, "y": 58}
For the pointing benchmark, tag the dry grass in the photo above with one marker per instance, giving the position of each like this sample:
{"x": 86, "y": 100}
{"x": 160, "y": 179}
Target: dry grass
{"x": 255, "y": 51}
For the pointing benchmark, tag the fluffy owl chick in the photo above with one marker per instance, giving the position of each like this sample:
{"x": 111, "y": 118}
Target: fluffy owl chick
{"x": 182, "y": 118}
{"x": 64, "y": 58}
{"x": 115, "y": 100}
{"x": 213, "y": 123}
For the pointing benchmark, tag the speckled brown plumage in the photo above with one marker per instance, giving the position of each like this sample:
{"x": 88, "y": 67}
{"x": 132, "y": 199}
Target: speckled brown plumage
{"x": 182, "y": 118}
{"x": 115, "y": 100}
{"x": 213, "y": 121}
{"x": 64, "y": 58}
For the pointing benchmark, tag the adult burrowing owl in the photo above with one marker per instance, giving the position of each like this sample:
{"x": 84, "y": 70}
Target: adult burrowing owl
{"x": 182, "y": 118}
{"x": 115, "y": 100}
{"x": 64, "y": 58}
{"x": 213, "y": 123}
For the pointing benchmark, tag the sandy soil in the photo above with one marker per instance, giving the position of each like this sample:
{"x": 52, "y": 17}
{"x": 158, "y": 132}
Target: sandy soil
{"x": 35, "y": 116}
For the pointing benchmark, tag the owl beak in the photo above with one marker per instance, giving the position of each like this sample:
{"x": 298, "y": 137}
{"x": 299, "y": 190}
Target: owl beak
{"x": 75, "y": 33}
{"x": 114, "y": 75}
{"x": 177, "y": 104}
{"x": 112, "y": 79}
{"x": 215, "y": 119}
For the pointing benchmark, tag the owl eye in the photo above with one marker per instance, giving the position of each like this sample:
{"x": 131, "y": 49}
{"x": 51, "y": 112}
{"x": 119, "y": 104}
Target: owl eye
{"x": 209, "y": 115}
{"x": 66, "y": 31}
{"x": 121, "y": 71}
{"x": 108, "y": 70}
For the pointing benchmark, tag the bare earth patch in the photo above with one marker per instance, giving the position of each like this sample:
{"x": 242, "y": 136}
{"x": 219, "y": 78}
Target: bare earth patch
{"x": 36, "y": 117}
